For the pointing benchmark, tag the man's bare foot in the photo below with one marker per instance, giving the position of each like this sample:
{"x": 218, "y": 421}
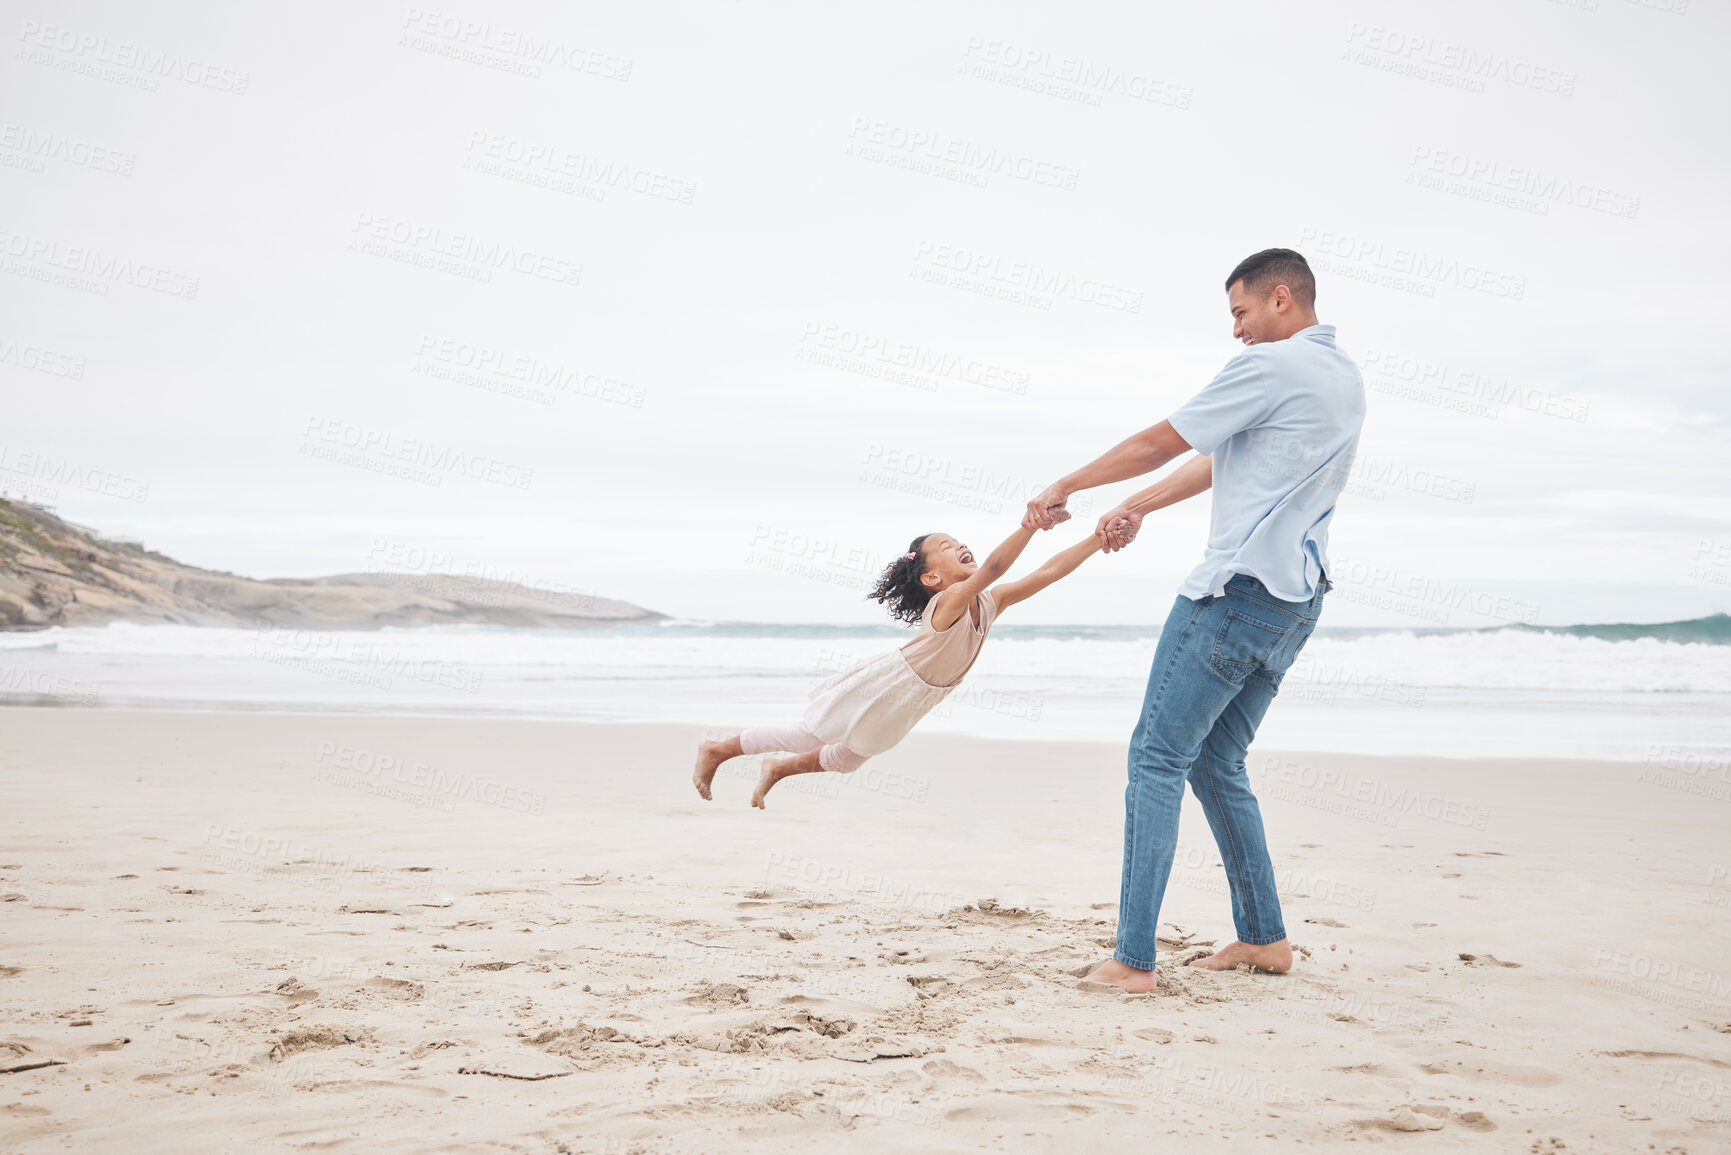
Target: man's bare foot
{"x": 775, "y": 769}
{"x": 1274, "y": 957}
{"x": 710, "y": 756}
{"x": 1117, "y": 974}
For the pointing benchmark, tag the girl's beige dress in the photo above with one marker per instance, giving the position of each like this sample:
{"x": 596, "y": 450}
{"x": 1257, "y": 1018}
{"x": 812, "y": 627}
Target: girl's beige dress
{"x": 872, "y": 705}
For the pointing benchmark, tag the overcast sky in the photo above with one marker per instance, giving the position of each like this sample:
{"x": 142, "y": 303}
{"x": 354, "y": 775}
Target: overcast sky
{"x": 713, "y": 306}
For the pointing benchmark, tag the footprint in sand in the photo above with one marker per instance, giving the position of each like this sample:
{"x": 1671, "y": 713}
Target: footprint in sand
{"x": 294, "y": 991}
{"x": 715, "y": 995}
{"x": 946, "y": 1069}
{"x": 1427, "y": 1117}
{"x": 1505, "y": 1073}
{"x": 1420, "y": 1117}
{"x": 989, "y": 910}
{"x": 529, "y": 1066}
{"x": 1665, "y": 1055}
{"x": 309, "y": 1039}
{"x": 897, "y": 957}
{"x": 401, "y": 989}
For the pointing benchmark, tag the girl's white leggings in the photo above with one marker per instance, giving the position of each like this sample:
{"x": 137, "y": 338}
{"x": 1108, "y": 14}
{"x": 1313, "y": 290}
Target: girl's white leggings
{"x": 799, "y": 740}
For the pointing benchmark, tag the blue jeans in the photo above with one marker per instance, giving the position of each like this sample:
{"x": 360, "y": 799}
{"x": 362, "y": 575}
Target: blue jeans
{"x": 1216, "y": 669}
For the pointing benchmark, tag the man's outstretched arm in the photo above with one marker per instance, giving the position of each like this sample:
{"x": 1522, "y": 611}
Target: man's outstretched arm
{"x": 1141, "y": 453}
{"x": 1117, "y": 527}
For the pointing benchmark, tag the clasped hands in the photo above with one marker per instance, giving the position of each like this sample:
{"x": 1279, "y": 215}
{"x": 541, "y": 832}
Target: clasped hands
{"x": 1116, "y": 528}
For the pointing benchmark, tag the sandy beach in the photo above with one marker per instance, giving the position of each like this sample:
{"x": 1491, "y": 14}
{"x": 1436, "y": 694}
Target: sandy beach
{"x": 294, "y": 932}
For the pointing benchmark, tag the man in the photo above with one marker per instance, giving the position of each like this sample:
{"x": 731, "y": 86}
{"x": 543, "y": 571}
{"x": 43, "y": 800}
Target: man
{"x": 1276, "y": 431}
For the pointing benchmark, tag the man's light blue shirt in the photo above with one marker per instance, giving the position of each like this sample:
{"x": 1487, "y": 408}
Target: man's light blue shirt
{"x": 1281, "y": 422}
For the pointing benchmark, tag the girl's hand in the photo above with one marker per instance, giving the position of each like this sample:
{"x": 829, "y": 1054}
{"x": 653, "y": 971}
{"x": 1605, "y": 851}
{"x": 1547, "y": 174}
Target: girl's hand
{"x": 1117, "y": 529}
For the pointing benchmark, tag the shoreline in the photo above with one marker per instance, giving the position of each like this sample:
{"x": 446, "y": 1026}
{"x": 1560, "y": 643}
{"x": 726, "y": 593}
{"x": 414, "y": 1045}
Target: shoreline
{"x": 1506, "y": 695}
{"x": 1660, "y": 755}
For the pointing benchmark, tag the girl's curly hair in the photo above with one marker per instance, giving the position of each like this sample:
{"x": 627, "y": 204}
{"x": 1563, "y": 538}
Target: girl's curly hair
{"x": 899, "y": 587}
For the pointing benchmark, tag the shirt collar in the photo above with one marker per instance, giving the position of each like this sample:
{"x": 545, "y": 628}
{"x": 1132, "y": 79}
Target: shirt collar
{"x": 1322, "y": 333}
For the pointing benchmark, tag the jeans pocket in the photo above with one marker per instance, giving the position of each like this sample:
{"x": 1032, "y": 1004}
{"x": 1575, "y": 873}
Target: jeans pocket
{"x": 1297, "y": 638}
{"x": 1243, "y": 644}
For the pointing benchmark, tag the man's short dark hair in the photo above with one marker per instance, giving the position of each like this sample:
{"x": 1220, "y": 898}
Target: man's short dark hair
{"x": 1261, "y": 272}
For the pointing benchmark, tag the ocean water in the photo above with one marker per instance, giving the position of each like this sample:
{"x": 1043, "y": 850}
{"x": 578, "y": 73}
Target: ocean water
{"x": 1655, "y": 694}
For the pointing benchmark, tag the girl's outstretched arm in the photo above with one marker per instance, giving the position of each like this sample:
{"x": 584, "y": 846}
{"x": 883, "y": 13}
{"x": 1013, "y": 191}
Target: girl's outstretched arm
{"x": 1058, "y": 565}
{"x": 954, "y": 602}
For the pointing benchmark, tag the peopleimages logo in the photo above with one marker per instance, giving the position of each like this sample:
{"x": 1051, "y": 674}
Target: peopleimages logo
{"x": 1544, "y": 187}
{"x": 1426, "y": 57}
{"x": 1390, "y": 588}
{"x": 902, "y": 362}
{"x": 437, "y": 460}
{"x": 40, "y": 255}
{"x": 538, "y": 162}
{"x": 378, "y": 769}
{"x": 1405, "y": 268}
{"x": 463, "y": 253}
{"x": 85, "y": 50}
{"x": 873, "y": 139}
{"x": 63, "y": 471}
{"x": 1072, "y": 77}
{"x": 1382, "y": 799}
{"x": 500, "y": 370}
{"x": 40, "y": 360}
{"x": 1422, "y": 379}
{"x": 462, "y": 37}
{"x": 39, "y": 145}
{"x": 1024, "y": 275}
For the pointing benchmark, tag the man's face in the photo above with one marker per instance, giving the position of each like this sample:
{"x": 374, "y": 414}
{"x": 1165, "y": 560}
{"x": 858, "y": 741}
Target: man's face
{"x": 1259, "y": 316}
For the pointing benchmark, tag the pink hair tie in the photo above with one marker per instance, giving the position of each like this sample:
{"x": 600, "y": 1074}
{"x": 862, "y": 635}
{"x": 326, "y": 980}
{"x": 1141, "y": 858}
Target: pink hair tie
{"x": 908, "y": 557}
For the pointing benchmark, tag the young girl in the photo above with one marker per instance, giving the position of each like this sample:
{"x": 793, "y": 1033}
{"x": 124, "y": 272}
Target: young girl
{"x": 866, "y": 709}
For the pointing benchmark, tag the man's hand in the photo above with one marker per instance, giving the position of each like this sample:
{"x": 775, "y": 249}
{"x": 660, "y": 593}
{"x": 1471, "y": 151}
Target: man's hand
{"x": 1117, "y": 529}
{"x": 1047, "y": 510}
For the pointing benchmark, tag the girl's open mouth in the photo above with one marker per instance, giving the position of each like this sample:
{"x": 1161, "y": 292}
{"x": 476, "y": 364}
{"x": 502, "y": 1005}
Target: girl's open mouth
{"x": 967, "y": 557}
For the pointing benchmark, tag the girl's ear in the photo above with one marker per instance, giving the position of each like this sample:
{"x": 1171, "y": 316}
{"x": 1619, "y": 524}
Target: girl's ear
{"x": 928, "y": 579}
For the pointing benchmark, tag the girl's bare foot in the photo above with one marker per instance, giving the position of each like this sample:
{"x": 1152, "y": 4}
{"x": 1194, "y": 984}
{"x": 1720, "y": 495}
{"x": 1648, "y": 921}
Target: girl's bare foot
{"x": 710, "y": 756}
{"x": 775, "y": 769}
{"x": 1121, "y": 975}
{"x": 1274, "y": 957}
